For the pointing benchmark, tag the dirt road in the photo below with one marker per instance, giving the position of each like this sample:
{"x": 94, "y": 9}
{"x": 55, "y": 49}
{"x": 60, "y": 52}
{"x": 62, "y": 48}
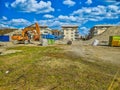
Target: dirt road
{"x": 96, "y": 53}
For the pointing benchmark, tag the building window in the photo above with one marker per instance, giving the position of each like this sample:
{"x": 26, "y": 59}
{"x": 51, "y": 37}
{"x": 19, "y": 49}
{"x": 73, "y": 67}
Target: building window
{"x": 72, "y": 38}
{"x": 45, "y": 32}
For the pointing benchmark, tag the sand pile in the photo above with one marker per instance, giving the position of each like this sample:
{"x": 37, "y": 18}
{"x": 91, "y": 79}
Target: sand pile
{"x": 104, "y": 37}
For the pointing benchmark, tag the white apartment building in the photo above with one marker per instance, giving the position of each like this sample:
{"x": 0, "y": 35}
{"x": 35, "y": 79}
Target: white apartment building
{"x": 45, "y": 30}
{"x": 70, "y": 32}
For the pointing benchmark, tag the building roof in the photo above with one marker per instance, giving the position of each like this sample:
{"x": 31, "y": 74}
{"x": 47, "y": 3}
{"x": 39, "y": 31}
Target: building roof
{"x": 55, "y": 30}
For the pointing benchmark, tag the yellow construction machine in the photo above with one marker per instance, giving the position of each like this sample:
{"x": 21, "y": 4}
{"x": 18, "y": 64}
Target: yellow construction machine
{"x": 25, "y": 36}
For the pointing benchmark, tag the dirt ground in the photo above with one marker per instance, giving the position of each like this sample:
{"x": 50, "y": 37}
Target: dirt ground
{"x": 5, "y": 45}
{"x": 81, "y": 49}
{"x": 95, "y": 53}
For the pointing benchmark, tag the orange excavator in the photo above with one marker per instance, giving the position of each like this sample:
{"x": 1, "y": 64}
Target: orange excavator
{"x": 25, "y": 36}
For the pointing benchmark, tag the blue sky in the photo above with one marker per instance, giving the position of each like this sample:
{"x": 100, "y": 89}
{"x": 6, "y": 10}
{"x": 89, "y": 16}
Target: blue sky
{"x": 55, "y": 13}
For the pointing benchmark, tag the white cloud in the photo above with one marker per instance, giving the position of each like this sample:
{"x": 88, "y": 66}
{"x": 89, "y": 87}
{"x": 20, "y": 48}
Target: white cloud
{"x": 62, "y": 17}
{"x": 48, "y": 16}
{"x": 56, "y": 24}
{"x": 91, "y": 10}
{"x": 110, "y": 0}
{"x": 4, "y": 18}
{"x": 113, "y": 7}
{"x": 7, "y": 4}
{"x": 88, "y": 2}
{"x": 32, "y": 6}
{"x": 98, "y": 13}
{"x": 19, "y": 22}
{"x": 51, "y": 23}
{"x": 3, "y": 26}
{"x": 84, "y": 30}
{"x": 71, "y": 18}
{"x": 69, "y": 2}
{"x": 58, "y": 9}
{"x": 45, "y": 22}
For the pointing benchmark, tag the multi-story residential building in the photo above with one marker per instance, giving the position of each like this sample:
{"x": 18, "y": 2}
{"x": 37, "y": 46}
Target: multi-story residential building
{"x": 70, "y": 32}
{"x": 45, "y": 30}
{"x": 56, "y": 32}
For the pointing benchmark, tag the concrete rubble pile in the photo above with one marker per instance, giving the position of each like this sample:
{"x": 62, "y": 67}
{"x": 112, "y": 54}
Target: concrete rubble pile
{"x": 104, "y": 37}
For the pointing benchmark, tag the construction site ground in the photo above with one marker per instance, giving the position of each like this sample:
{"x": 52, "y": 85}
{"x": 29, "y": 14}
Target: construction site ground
{"x": 79, "y": 66}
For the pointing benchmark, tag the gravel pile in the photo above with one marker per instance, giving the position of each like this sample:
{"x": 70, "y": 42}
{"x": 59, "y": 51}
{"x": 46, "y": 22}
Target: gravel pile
{"x": 104, "y": 37}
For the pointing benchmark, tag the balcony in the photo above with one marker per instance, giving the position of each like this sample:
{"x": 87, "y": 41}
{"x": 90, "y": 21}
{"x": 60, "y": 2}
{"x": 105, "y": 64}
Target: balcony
{"x": 76, "y": 32}
{"x": 76, "y": 35}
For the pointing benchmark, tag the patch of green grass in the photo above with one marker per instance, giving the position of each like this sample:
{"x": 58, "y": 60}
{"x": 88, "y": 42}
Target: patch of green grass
{"x": 51, "y": 68}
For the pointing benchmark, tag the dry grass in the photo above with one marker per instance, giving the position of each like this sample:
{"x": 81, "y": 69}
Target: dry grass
{"x": 51, "y": 68}
{"x": 5, "y": 31}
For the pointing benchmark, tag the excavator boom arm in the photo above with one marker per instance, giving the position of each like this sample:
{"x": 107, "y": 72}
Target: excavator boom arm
{"x": 25, "y": 30}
